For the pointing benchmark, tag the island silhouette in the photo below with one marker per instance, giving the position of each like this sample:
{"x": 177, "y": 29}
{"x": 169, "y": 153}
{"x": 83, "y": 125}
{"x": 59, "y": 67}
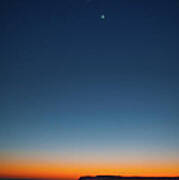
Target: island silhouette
{"x": 110, "y": 177}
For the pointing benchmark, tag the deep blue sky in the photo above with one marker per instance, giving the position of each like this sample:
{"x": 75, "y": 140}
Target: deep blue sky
{"x": 71, "y": 81}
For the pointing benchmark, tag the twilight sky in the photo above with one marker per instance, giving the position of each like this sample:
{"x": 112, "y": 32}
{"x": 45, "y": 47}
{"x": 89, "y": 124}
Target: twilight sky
{"x": 81, "y": 95}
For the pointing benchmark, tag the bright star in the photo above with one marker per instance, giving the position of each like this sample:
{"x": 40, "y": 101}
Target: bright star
{"x": 103, "y": 16}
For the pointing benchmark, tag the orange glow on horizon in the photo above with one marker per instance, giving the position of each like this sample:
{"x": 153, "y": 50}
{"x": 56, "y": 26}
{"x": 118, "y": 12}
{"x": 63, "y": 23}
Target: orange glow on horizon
{"x": 72, "y": 171}
{"x": 39, "y": 167}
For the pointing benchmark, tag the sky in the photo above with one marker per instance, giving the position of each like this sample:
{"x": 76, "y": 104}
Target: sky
{"x": 85, "y": 95}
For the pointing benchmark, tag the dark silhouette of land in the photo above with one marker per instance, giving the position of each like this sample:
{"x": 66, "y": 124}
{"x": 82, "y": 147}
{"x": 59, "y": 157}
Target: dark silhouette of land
{"x": 126, "y": 178}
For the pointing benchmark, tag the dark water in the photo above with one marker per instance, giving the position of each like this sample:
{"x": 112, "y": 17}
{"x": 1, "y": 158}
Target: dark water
{"x": 122, "y": 178}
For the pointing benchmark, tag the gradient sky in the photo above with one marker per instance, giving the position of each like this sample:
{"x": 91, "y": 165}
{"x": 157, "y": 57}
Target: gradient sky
{"x": 80, "y": 95}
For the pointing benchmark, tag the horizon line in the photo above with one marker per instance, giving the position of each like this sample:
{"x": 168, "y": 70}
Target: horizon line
{"x": 87, "y": 176}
